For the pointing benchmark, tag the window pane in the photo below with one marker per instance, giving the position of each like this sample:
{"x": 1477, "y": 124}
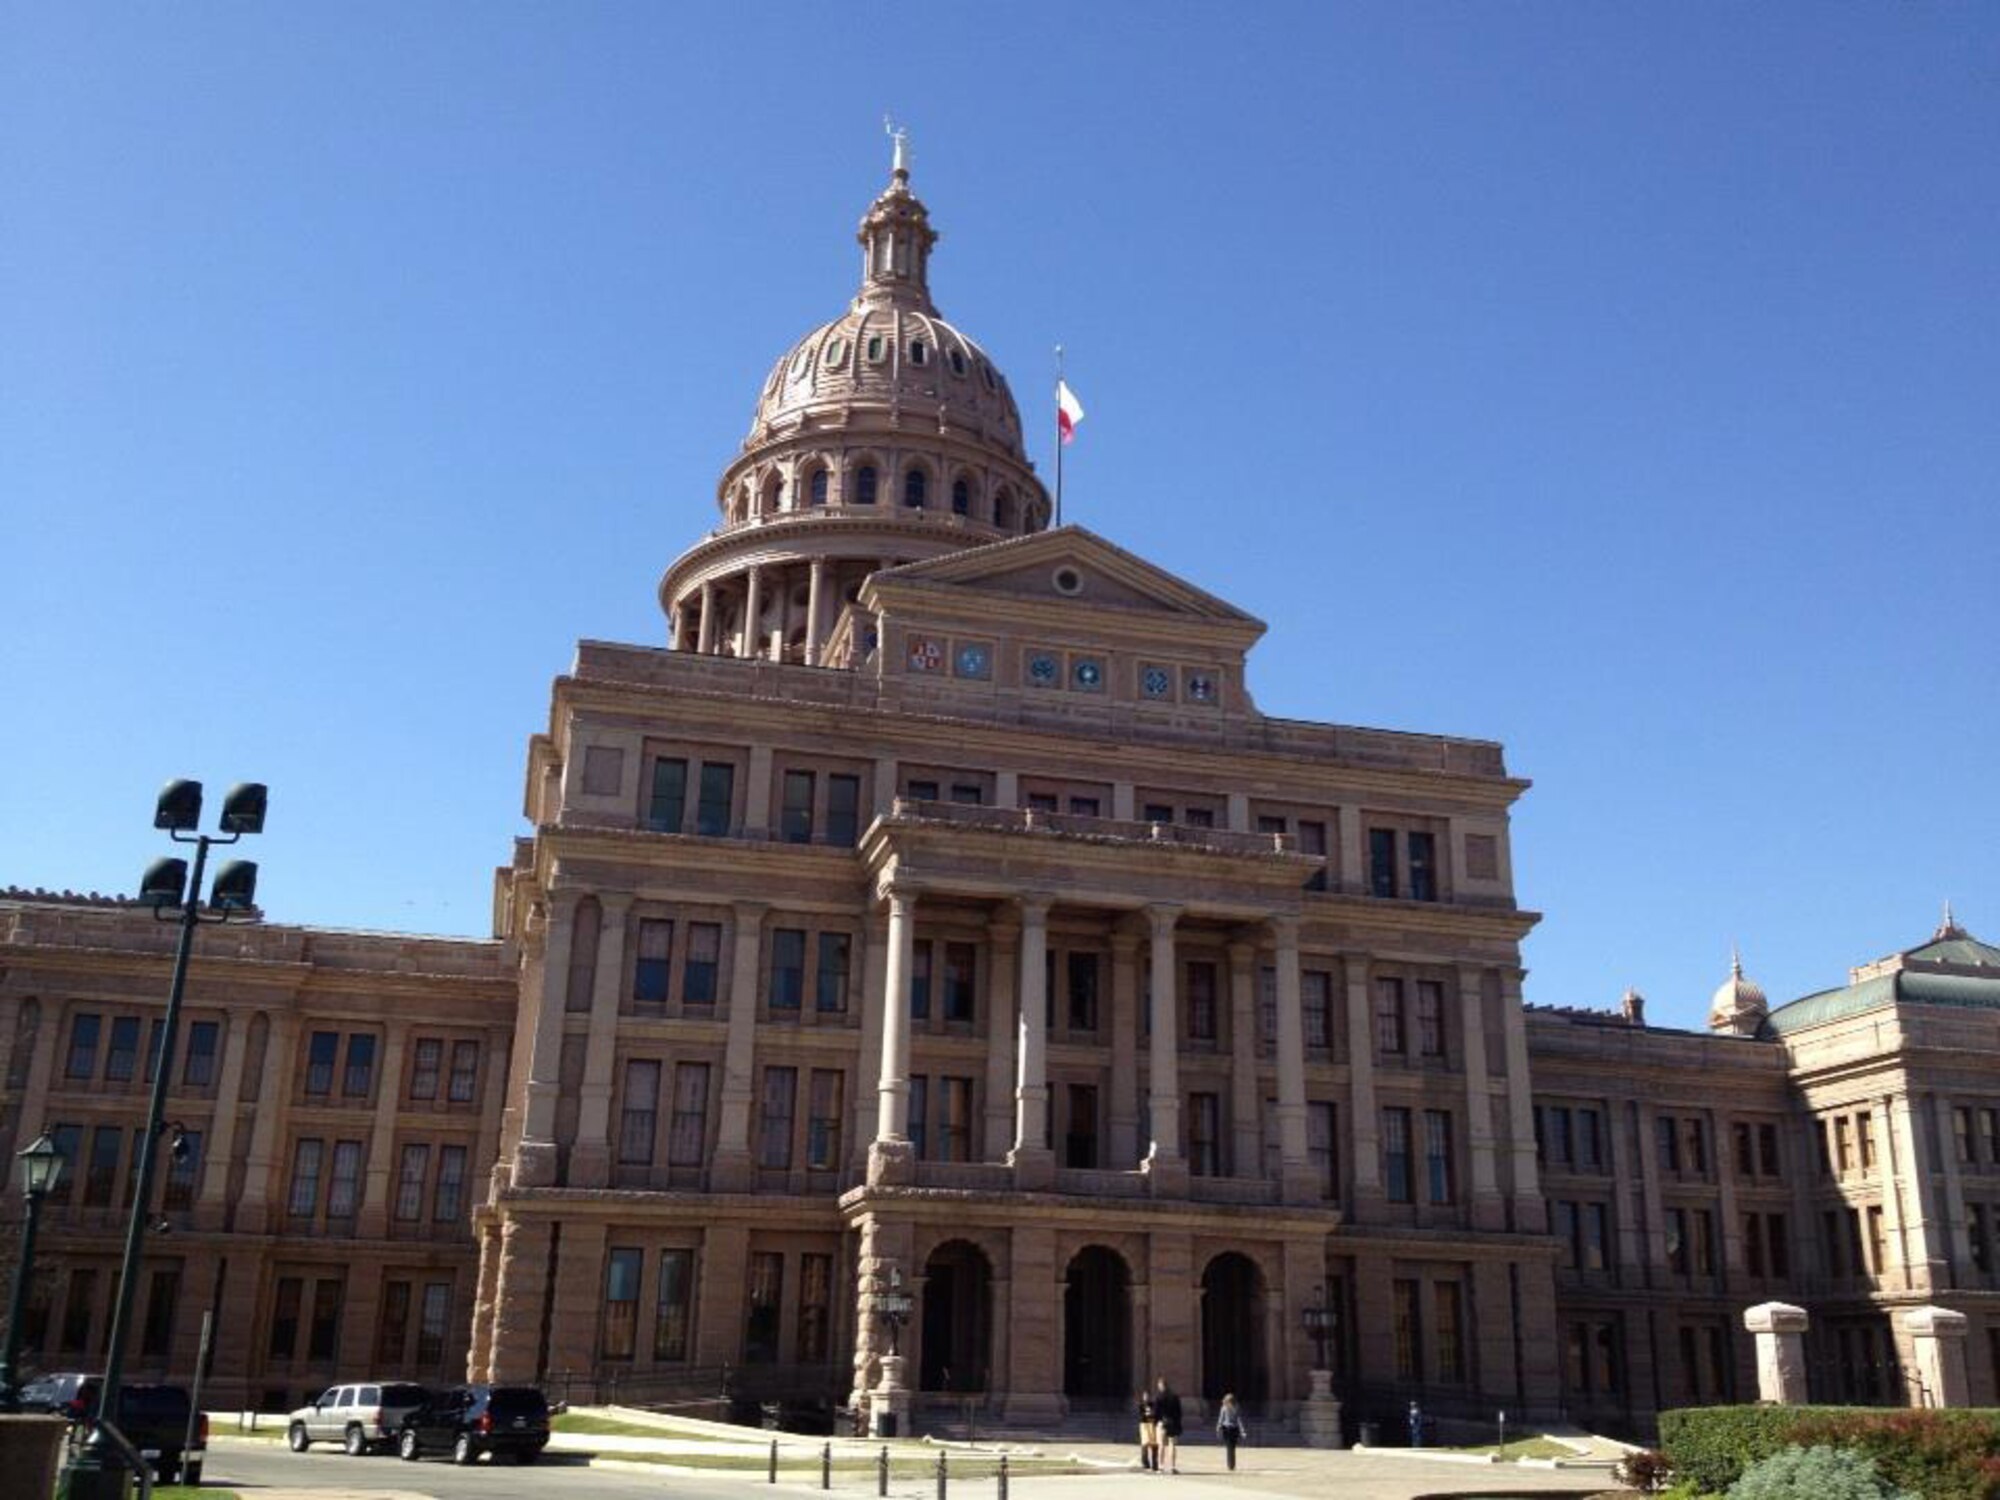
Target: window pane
{"x": 198, "y": 1070}
{"x": 122, "y": 1057}
{"x": 450, "y": 1205}
{"x": 718, "y": 790}
{"x": 410, "y": 1174}
{"x": 667, "y": 807}
{"x": 795, "y": 821}
{"x": 775, "y": 1135}
{"x": 83, "y": 1034}
{"x": 788, "y": 968}
{"x": 843, "y": 804}
{"x": 427, "y": 1061}
{"x": 698, "y": 974}
{"x": 621, "y": 1302}
{"x": 639, "y": 1120}
{"x": 670, "y": 1316}
{"x": 685, "y": 1143}
{"x": 464, "y": 1072}
{"x": 767, "y": 1294}
{"x": 360, "y": 1075}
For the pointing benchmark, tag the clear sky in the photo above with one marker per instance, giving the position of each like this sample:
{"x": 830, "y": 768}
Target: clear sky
{"x": 1620, "y": 382}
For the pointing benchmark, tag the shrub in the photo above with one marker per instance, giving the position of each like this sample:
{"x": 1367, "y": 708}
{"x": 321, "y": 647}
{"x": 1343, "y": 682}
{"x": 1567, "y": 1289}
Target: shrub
{"x": 1646, "y": 1471}
{"x": 1815, "y": 1474}
{"x": 1939, "y": 1455}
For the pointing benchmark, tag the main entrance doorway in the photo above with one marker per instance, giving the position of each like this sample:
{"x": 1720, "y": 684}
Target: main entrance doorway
{"x": 1097, "y": 1327}
{"x": 958, "y": 1318}
{"x": 1232, "y": 1330}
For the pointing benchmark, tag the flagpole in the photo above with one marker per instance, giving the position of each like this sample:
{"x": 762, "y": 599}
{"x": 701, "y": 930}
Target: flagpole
{"x": 1059, "y": 434}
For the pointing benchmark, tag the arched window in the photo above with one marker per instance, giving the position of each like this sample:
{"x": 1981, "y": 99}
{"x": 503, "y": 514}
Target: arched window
{"x": 919, "y": 351}
{"x": 864, "y": 485}
{"x": 1003, "y": 510}
{"x": 961, "y": 497}
{"x": 915, "y": 485}
{"x": 818, "y": 490}
{"x": 875, "y": 348}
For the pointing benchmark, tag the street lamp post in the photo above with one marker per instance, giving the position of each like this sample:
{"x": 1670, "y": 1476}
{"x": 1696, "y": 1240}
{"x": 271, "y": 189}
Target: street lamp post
{"x": 891, "y": 1396}
{"x": 895, "y": 1305}
{"x": 1318, "y": 1319}
{"x": 96, "y": 1471}
{"x": 41, "y": 1169}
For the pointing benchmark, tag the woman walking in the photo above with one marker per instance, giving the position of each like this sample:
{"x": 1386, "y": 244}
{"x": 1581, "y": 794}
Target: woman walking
{"x": 1149, "y": 1433}
{"x": 1229, "y": 1427}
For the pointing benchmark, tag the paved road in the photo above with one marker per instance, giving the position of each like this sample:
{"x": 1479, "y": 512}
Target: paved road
{"x": 253, "y": 1467}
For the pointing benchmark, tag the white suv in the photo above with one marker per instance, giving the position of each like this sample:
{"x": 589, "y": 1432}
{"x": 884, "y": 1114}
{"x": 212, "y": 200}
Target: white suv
{"x": 361, "y": 1418}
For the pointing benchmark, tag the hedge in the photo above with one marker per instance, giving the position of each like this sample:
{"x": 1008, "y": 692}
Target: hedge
{"x": 1941, "y": 1455}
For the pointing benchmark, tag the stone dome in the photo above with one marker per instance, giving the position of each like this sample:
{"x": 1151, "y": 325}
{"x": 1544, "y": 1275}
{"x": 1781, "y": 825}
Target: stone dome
{"x": 1739, "y": 1004}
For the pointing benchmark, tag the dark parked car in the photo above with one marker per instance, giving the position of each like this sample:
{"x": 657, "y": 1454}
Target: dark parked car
{"x": 468, "y": 1420}
{"x": 153, "y": 1417}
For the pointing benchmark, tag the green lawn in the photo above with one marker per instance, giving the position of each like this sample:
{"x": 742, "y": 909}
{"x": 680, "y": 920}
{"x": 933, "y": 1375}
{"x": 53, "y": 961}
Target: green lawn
{"x": 183, "y": 1492}
{"x": 576, "y": 1421}
{"x": 1534, "y": 1447}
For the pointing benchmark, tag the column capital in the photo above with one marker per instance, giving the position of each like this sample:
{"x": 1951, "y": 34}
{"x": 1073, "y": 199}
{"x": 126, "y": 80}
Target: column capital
{"x": 1034, "y": 907}
{"x": 747, "y": 912}
{"x": 1161, "y": 916}
{"x": 899, "y": 891}
{"x": 615, "y": 904}
{"x": 1284, "y": 927}
{"x": 1242, "y": 947}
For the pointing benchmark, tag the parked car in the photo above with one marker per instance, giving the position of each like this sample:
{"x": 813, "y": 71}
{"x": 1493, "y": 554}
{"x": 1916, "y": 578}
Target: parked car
{"x": 468, "y": 1420}
{"x": 154, "y": 1419}
{"x": 363, "y": 1418}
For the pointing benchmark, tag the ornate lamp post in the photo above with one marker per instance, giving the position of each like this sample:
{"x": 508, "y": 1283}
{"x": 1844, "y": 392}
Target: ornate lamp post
{"x": 891, "y": 1396}
{"x": 895, "y": 1307}
{"x": 1319, "y": 1416}
{"x": 96, "y": 1471}
{"x": 41, "y": 1170}
{"x": 1318, "y": 1318}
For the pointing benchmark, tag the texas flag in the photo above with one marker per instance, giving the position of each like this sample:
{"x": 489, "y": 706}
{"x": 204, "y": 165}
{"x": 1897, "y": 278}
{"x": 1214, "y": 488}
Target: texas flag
{"x": 1069, "y": 411}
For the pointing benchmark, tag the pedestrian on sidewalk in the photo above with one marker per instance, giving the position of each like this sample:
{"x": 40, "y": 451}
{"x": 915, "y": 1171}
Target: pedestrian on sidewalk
{"x": 1167, "y": 1407}
{"x": 1229, "y": 1427}
{"x": 1149, "y": 1433}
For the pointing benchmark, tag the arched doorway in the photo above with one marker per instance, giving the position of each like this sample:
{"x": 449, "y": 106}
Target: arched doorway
{"x": 1232, "y": 1330}
{"x": 1097, "y": 1327}
{"x": 958, "y": 1319}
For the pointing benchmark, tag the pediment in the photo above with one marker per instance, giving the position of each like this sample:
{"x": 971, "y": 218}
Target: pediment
{"x": 1068, "y": 566}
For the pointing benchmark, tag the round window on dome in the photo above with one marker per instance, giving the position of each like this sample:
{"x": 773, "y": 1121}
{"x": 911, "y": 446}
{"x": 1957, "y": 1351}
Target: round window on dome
{"x": 1067, "y": 580}
{"x": 957, "y": 363}
{"x": 801, "y": 362}
{"x": 986, "y": 374}
{"x": 836, "y": 354}
{"x": 875, "y": 349}
{"x": 919, "y": 352}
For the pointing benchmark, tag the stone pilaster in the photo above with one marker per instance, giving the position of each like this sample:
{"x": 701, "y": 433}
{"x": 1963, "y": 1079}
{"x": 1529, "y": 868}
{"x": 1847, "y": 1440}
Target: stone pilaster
{"x": 890, "y": 1158}
{"x": 525, "y": 1248}
{"x": 590, "y": 1158}
{"x": 1294, "y": 1166}
{"x": 267, "y": 1124}
{"x": 868, "y": 1059}
{"x": 535, "y": 1157}
{"x": 1002, "y": 933}
{"x": 1164, "y": 1164}
{"x": 1530, "y": 1210}
{"x": 1033, "y": 1162}
{"x": 1035, "y": 1353}
{"x": 1488, "y": 1211}
{"x": 1245, "y": 1112}
{"x": 485, "y": 1299}
{"x": 220, "y": 1147}
{"x": 373, "y": 1220}
{"x": 578, "y": 1297}
{"x": 730, "y": 1170}
{"x": 1364, "y": 1120}
{"x": 1124, "y": 1120}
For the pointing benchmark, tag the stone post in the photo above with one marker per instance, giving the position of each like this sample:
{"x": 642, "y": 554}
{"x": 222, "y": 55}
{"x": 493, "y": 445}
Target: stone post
{"x": 1781, "y": 1352}
{"x": 1937, "y": 1341}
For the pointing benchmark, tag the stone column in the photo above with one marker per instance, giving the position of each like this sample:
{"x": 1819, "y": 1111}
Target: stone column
{"x": 1781, "y": 1352}
{"x": 730, "y": 1170}
{"x": 535, "y": 1157}
{"x": 1530, "y": 1211}
{"x": 1937, "y": 1343}
{"x": 525, "y": 1247}
{"x": 815, "y": 606}
{"x": 1245, "y": 1113}
{"x": 677, "y": 640}
{"x": 890, "y": 1159}
{"x": 373, "y": 1220}
{"x": 1033, "y": 1162}
{"x": 1002, "y": 933}
{"x": 267, "y": 1121}
{"x": 705, "y": 631}
{"x": 1124, "y": 1115}
{"x": 1164, "y": 1162}
{"x": 1295, "y": 1170}
{"x": 486, "y": 1289}
{"x": 1488, "y": 1211}
{"x": 868, "y": 1060}
{"x": 1364, "y": 1122}
{"x": 590, "y": 1158}
{"x": 752, "y": 636}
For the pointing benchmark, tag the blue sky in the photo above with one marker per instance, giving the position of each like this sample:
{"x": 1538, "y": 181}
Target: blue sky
{"x": 1618, "y": 382}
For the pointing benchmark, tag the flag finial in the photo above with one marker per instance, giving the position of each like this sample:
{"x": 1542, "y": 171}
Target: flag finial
{"x": 899, "y": 159}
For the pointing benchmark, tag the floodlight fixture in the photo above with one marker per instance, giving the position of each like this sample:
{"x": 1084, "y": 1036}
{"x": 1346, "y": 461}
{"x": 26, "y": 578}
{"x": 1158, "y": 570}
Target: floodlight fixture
{"x": 235, "y": 886}
{"x": 165, "y": 884}
{"x": 179, "y": 809}
{"x": 243, "y": 808}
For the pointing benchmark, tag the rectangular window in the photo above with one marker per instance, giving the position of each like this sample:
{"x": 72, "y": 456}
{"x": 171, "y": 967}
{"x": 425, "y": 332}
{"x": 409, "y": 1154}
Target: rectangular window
{"x": 1423, "y": 867}
{"x": 919, "y": 1112}
{"x": 1389, "y": 1016}
{"x": 830, "y": 977}
{"x": 1082, "y": 974}
{"x": 1157, "y": 812}
{"x": 718, "y": 797}
{"x": 1201, "y": 1022}
{"x": 767, "y": 1295}
{"x": 306, "y": 1159}
{"x": 1778, "y": 1245}
{"x": 1200, "y": 817}
{"x": 670, "y": 1311}
{"x": 122, "y": 1056}
{"x": 815, "y": 1343}
{"x": 843, "y": 810}
{"x": 1596, "y": 1232}
{"x": 1753, "y": 1245}
{"x": 1989, "y": 1129}
{"x": 1396, "y": 1155}
{"x": 1080, "y": 1145}
{"x": 1864, "y": 1137}
{"x": 1589, "y": 1139}
{"x": 465, "y": 1077}
{"x": 960, "y": 962}
{"x": 432, "y": 1320}
{"x": 655, "y": 962}
{"x": 343, "y": 1188}
{"x": 450, "y": 1205}
{"x": 1316, "y": 996}
{"x": 1083, "y": 807}
{"x": 156, "y": 1035}
{"x": 1745, "y": 1149}
{"x": 686, "y": 1138}
{"x": 774, "y": 1135}
{"x": 426, "y": 1064}
{"x": 954, "y": 1119}
{"x": 1044, "y": 802}
{"x": 182, "y": 1172}
{"x": 1704, "y": 1242}
{"x": 1978, "y": 1231}
{"x": 1677, "y": 1241}
{"x": 967, "y": 793}
{"x": 703, "y": 955}
{"x": 927, "y": 791}
{"x": 1204, "y": 1134}
{"x": 1842, "y": 1152}
{"x": 1563, "y": 1226}
{"x": 393, "y": 1324}
{"x": 795, "y": 816}
{"x": 1448, "y": 1312}
{"x": 162, "y": 1291}
{"x": 1430, "y": 1018}
{"x": 920, "y": 982}
{"x": 823, "y": 1122}
{"x": 1668, "y": 1130}
{"x": 198, "y": 1067}
{"x": 1312, "y": 840}
{"x": 1697, "y": 1145}
{"x": 788, "y": 969}
{"x": 77, "y": 1308}
{"x": 639, "y": 1119}
{"x": 1767, "y": 1150}
{"x": 83, "y": 1034}
{"x": 1437, "y": 1154}
{"x": 666, "y": 808}
{"x": 1408, "y": 1329}
{"x": 323, "y": 1337}
{"x": 1267, "y": 1006}
{"x": 1382, "y": 861}
{"x": 101, "y": 1176}
{"x": 621, "y": 1302}
{"x": 359, "y": 1076}
{"x": 1320, "y": 1147}
{"x": 1878, "y": 1255}
{"x": 414, "y": 1167}
{"x": 68, "y": 1141}
{"x": 285, "y": 1305}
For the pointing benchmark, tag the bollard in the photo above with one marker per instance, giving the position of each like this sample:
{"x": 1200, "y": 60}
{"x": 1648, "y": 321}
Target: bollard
{"x": 882, "y": 1472}
{"x": 941, "y": 1475}
{"x": 774, "y": 1460}
{"x": 826, "y": 1466}
{"x": 1003, "y": 1477}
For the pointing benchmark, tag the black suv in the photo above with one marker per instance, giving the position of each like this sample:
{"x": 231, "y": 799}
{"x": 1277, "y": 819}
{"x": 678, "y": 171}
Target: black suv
{"x": 153, "y": 1417}
{"x": 468, "y": 1420}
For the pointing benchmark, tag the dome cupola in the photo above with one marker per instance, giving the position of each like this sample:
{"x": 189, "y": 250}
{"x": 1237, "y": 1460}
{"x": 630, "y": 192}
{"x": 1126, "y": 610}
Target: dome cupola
{"x": 1738, "y": 1006}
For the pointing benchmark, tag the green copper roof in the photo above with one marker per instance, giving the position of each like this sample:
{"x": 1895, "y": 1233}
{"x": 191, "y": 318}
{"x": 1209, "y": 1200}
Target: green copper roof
{"x": 1921, "y": 980}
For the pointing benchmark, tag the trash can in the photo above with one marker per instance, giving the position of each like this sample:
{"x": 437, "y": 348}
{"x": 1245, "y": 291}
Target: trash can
{"x": 1369, "y": 1435}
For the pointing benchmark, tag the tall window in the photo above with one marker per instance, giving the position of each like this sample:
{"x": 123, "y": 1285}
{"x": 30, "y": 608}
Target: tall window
{"x": 1396, "y": 1155}
{"x": 1082, "y": 974}
{"x": 83, "y": 1034}
{"x": 432, "y": 1320}
{"x": 1668, "y": 1130}
{"x": 1320, "y": 1148}
{"x": 816, "y": 487}
{"x": 815, "y": 1309}
{"x": 955, "y": 1119}
{"x": 449, "y": 1206}
{"x": 343, "y": 1189}
{"x": 359, "y": 1075}
{"x": 1589, "y": 1138}
{"x": 1430, "y": 1018}
{"x": 830, "y": 976}
{"x": 392, "y": 1325}
{"x": 961, "y": 498}
{"x": 1408, "y": 1328}
{"x": 1389, "y": 1017}
{"x": 323, "y": 1334}
{"x": 1677, "y": 1241}
{"x": 670, "y": 1311}
{"x": 586, "y": 927}
{"x": 1382, "y": 861}
{"x": 198, "y": 1069}
{"x": 767, "y": 1295}
{"x": 959, "y": 962}
{"x": 666, "y": 808}
{"x": 917, "y": 1115}
{"x": 1080, "y": 1148}
{"x": 843, "y": 810}
{"x": 1204, "y": 1134}
{"x": 426, "y": 1063}
{"x": 865, "y": 484}
{"x": 788, "y": 968}
{"x": 686, "y": 1138}
{"x": 1316, "y": 998}
{"x": 156, "y": 1035}
{"x": 306, "y": 1158}
{"x": 463, "y": 1084}
{"x": 413, "y": 1167}
{"x": 704, "y": 952}
{"x": 650, "y": 970}
{"x": 639, "y": 1121}
{"x": 101, "y": 1176}
{"x": 1423, "y": 867}
{"x": 1448, "y": 1312}
{"x": 774, "y": 1138}
{"x": 823, "y": 1120}
{"x": 122, "y": 1057}
{"x": 916, "y": 486}
{"x": 182, "y": 1171}
{"x": 284, "y": 1341}
{"x": 920, "y": 982}
{"x": 621, "y": 1303}
{"x": 1201, "y": 1023}
{"x": 1437, "y": 1154}
{"x": 795, "y": 818}
{"x": 718, "y": 796}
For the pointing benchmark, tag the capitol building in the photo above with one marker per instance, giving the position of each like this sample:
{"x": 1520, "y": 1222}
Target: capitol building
{"x": 934, "y": 917}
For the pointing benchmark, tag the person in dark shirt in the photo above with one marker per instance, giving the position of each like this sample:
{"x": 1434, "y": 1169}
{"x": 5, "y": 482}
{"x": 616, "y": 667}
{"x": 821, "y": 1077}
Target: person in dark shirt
{"x": 1149, "y": 1433}
{"x": 1167, "y": 1407}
